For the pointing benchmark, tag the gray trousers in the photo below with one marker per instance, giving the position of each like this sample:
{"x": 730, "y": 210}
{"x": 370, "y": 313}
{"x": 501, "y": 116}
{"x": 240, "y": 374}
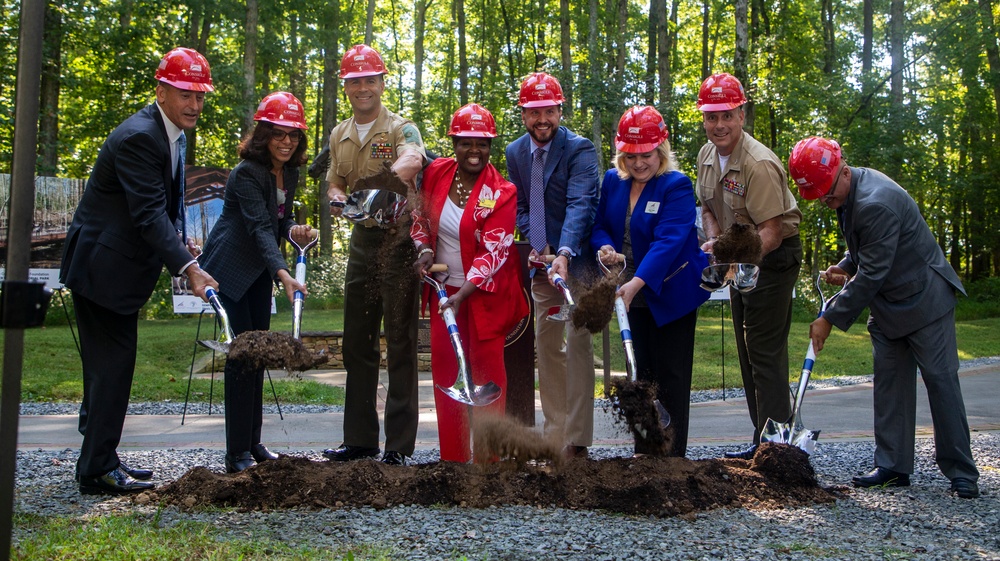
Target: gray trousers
{"x": 934, "y": 349}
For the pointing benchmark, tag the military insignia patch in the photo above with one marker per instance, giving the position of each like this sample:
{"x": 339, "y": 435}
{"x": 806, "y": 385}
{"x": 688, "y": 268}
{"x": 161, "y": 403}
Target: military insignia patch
{"x": 412, "y": 135}
{"x": 382, "y": 150}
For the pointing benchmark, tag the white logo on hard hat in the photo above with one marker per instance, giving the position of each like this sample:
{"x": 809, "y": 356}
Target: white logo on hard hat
{"x": 195, "y": 67}
{"x": 716, "y": 89}
{"x": 633, "y": 130}
{"x": 293, "y": 107}
{"x": 359, "y": 57}
{"x": 541, "y": 86}
{"x": 475, "y": 117}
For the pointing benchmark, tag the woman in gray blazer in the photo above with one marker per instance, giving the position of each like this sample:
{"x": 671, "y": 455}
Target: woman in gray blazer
{"x": 243, "y": 253}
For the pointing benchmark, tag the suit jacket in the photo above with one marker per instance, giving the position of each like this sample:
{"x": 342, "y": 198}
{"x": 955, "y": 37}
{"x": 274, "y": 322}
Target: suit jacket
{"x": 245, "y": 241}
{"x": 571, "y": 190}
{"x": 486, "y": 233}
{"x": 126, "y": 227}
{"x": 897, "y": 267}
{"x": 664, "y": 240}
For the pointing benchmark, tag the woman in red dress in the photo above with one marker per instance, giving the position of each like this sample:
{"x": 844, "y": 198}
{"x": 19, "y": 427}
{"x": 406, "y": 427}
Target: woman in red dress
{"x": 466, "y": 221}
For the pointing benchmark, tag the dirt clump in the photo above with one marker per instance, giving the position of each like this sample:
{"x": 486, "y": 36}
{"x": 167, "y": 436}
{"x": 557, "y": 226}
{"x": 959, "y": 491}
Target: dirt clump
{"x": 740, "y": 243}
{"x": 382, "y": 179}
{"x": 644, "y": 485}
{"x": 267, "y": 349}
{"x": 634, "y": 405}
{"x": 503, "y": 438}
{"x": 595, "y": 304}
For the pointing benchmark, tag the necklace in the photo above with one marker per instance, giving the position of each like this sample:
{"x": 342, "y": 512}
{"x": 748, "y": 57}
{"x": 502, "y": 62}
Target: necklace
{"x": 461, "y": 190}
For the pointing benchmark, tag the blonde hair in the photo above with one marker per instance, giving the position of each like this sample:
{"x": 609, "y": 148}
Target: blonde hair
{"x": 668, "y": 161}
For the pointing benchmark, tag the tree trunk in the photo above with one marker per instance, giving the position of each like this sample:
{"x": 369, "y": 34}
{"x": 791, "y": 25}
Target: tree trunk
{"x": 370, "y": 23}
{"x": 540, "y": 20}
{"x": 463, "y": 60}
{"x": 328, "y": 112}
{"x": 992, "y": 54}
{"x": 655, "y": 7}
{"x": 867, "y": 38}
{"x": 829, "y": 50}
{"x": 667, "y": 42}
{"x": 897, "y": 39}
{"x": 595, "y": 71}
{"x": 249, "y": 65}
{"x": 706, "y": 64}
{"x": 565, "y": 39}
{"x": 420, "y": 22}
{"x": 741, "y": 60}
{"x": 48, "y": 125}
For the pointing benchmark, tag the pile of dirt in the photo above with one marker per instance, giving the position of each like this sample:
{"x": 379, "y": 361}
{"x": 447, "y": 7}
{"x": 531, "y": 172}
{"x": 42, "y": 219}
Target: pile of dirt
{"x": 779, "y": 476}
{"x": 738, "y": 244}
{"x": 267, "y": 349}
{"x": 634, "y": 405}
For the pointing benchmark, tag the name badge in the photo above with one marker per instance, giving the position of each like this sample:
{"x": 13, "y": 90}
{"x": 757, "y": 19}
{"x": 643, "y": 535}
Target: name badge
{"x": 382, "y": 150}
{"x": 734, "y": 187}
{"x": 652, "y": 207}
{"x": 487, "y": 203}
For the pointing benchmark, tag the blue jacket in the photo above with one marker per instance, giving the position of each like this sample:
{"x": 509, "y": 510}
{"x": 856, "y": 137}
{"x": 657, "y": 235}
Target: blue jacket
{"x": 664, "y": 240}
{"x": 570, "y": 188}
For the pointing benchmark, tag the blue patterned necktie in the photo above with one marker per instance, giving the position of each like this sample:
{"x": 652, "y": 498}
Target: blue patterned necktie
{"x": 536, "y": 202}
{"x": 181, "y": 152}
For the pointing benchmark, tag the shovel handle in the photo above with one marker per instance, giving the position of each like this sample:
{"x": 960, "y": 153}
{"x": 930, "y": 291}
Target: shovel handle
{"x": 437, "y": 268}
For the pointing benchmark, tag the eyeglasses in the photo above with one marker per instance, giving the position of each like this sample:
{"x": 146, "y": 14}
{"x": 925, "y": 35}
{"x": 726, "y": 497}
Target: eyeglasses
{"x": 280, "y": 135}
{"x": 836, "y": 180}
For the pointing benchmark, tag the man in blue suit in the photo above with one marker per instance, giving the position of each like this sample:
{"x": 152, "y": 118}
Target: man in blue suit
{"x": 894, "y": 267}
{"x": 128, "y": 225}
{"x": 555, "y": 172}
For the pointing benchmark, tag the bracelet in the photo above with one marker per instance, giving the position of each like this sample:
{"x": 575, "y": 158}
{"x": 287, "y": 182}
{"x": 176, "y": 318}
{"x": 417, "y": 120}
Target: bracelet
{"x": 424, "y": 251}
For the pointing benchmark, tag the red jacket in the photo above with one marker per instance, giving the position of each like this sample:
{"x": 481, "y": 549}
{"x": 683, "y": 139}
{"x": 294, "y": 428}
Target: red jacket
{"x": 486, "y": 234}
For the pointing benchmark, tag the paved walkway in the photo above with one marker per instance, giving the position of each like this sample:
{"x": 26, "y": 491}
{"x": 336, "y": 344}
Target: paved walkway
{"x": 841, "y": 413}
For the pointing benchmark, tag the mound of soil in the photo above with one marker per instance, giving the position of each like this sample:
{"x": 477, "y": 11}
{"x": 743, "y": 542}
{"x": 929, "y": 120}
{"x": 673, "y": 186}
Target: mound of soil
{"x": 267, "y": 349}
{"x": 779, "y": 476}
{"x": 738, "y": 244}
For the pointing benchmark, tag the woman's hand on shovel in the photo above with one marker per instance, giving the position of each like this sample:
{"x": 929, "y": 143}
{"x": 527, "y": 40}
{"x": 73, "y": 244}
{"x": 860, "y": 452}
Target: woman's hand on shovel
{"x": 302, "y": 234}
{"x": 291, "y": 285}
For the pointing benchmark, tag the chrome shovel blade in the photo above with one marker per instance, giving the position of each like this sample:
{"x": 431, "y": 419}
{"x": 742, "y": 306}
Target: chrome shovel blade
{"x": 477, "y": 396}
{"x": 383, "y": 206}
{"x": 742, "y": 276}
{"x": 217, "y": 346}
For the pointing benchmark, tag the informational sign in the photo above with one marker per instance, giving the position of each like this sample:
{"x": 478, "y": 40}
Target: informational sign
{"x": 48, "y": 276}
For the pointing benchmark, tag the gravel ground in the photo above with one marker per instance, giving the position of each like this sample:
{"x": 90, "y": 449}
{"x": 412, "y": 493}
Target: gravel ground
{"x": 923, "y": 521}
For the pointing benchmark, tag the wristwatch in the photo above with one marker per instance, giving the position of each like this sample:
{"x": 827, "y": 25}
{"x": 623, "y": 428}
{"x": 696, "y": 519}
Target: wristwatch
{"x": 565, "y": 253}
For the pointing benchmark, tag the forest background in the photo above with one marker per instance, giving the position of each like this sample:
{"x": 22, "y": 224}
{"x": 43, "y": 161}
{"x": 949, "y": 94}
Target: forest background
{"x": 910, "y": 88}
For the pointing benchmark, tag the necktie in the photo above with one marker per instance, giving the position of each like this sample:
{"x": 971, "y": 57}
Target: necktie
{"x": 536, "y": 202}
{"x": 181, "y": 152}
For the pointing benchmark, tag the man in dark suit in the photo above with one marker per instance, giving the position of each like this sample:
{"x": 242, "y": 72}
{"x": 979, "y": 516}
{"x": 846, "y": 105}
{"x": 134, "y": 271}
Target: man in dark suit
{"x": 555, "y": 172}
{"x": 894, "y": 267}
{"x": 129, "y": 224}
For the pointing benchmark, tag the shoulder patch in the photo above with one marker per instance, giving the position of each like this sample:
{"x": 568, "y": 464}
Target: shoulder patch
{"x": 411, "y": 134}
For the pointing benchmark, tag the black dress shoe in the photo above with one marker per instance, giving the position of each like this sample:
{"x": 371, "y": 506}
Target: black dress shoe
{"x": 140, "y": 474}
{"x": 882, "y": 477}
{"x": 743, "y": 454}
{"x": 393, "y": 458}
{"x": 261, "y": 453}
{"x": 115, "y": 482}
{"x": 347, "y": 452}
{"x": 965, "y": 488}
{"x": 236, "y": 463}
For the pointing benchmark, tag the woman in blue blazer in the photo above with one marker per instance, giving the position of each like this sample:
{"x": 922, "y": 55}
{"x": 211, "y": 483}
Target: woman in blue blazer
{"x": 647, "y": 213}
{"x": 243, "y": 252}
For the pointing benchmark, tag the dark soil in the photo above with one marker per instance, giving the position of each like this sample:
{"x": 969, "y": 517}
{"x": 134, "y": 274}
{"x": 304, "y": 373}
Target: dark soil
{"x": 778, "y": 476}
{"x": 739, "y": 244}
{"x": 634, "y": 405}
{"x": 595, "y": 300}
{"x": 267, "y": 349}
{"x": 384, "y": 179}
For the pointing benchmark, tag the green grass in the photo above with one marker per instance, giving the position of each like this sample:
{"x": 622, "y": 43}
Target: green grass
{"x": 138, "y": 536}
{"x": 52, "y": 366}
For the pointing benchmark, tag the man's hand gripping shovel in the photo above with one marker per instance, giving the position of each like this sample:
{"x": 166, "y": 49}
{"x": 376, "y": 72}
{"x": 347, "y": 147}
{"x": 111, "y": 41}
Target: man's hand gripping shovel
{"x": 792, "y": 432}
{"x": 464, "y": 389}
{"x": 544, "y": 263}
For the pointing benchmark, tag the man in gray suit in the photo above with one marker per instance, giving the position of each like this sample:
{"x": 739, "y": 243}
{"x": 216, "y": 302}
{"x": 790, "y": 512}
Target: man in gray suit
{"x": 894, "y": 267}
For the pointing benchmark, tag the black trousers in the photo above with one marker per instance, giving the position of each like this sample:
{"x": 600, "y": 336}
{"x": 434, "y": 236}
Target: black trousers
{"x": 108, "y": 347}
{"x": 665, "y": 355}
{"x": 244, "y": 386}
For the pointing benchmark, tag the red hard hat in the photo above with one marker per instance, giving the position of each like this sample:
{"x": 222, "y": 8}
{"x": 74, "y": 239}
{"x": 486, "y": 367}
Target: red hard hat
{"x": 640, "y": 130}
{"x": 540, "y": 90}
{"x": 721, "y": 92}
{"x": 813, "y": 164}
{"x": 185, "y": 69}
{"x": 281, "y": 108}
{"x": 360, "y": 61}
{"x": 473, "y": 120}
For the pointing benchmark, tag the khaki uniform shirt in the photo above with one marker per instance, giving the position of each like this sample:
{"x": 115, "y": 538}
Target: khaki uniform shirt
{"x": 751, "y": 190}
{"x": 352, "y": 157}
